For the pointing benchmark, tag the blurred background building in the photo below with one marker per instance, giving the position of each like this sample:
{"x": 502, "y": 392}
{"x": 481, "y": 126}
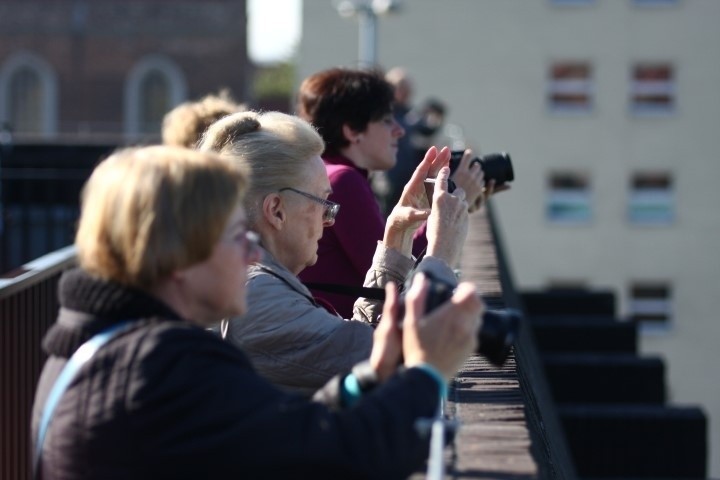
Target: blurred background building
{"x": 108, "y": 70}
{"x": 79, "y": 78}
{"x": 610, "y": 111}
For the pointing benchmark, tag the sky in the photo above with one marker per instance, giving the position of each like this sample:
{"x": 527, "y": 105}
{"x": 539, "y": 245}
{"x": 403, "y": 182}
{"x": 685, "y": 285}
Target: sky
{"x": 273, "y": 29}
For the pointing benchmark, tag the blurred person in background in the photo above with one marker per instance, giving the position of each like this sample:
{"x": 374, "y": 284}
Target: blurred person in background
{"x": 184, "y": 125}
{"x": 163, "y": 246}
{"x": 292, "y": 338}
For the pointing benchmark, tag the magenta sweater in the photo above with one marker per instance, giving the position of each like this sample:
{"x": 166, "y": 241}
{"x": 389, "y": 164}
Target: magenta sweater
{"x": 346, "y": 249}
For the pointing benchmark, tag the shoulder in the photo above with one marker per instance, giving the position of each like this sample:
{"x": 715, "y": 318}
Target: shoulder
{"x": 180, "y": 343}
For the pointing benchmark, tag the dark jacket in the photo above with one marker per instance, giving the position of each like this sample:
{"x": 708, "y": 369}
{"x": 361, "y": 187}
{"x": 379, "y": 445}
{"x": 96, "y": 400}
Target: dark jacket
{"x": 167, "y": 399}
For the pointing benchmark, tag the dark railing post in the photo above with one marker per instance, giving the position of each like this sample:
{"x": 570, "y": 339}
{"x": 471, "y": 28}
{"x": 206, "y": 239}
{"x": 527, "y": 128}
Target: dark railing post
{"x": 28, "y": 307}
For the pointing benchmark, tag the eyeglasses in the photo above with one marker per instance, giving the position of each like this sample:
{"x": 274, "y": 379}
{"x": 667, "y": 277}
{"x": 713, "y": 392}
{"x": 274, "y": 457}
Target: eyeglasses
{"x": 331, "y": 208}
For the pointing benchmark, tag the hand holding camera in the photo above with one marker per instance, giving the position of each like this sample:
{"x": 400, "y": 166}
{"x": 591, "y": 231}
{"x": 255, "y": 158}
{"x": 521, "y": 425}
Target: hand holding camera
{"x": 440, "y": 324}
{"x": 414, "y": 205}
{"x": 447, "y": 224}
{"x": 444, "y": 338}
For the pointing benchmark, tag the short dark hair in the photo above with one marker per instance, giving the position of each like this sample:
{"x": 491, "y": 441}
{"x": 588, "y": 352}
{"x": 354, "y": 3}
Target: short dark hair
{"x": 340, "y": 96}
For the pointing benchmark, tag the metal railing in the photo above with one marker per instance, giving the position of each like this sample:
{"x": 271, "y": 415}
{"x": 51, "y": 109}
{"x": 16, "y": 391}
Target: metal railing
{"x": 28, "y": 307}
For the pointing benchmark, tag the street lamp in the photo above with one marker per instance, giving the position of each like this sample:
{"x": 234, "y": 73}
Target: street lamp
{"x": 367, "y": 12}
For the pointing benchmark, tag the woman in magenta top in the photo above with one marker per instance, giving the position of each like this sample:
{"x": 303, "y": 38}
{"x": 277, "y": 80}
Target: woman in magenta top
{"x": 352, "y": 110}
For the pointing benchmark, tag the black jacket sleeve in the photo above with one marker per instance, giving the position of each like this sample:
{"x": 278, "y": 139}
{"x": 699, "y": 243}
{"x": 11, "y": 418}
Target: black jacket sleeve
{"x": 199, "y": 409}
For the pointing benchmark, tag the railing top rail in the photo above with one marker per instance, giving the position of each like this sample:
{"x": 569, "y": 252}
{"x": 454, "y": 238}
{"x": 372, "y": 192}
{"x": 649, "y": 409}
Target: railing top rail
{"x": 38, "y": 270}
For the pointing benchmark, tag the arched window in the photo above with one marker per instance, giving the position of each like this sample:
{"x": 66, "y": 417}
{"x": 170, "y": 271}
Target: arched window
{"x": 28, "y": 95}
{"x": 154, "y": 86}
{"x": 154, "y": 101}
{"x": 25, "y": 95}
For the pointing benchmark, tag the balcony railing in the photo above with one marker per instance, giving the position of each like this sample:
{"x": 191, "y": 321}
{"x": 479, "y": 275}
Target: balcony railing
{"x": 508, "y": 426}
{"x": 28, "y": 307}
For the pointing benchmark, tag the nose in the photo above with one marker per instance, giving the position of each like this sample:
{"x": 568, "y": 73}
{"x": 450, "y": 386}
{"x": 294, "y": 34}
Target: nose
{"x": 328, "y": 223}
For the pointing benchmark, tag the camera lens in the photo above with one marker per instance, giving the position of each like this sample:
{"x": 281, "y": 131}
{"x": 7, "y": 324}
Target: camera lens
{"x": 497, "y": 334}
{"x": 499, "y": 328}
{"x": 497, "y": 166}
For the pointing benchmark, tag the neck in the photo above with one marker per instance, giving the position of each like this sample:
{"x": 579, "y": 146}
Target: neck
{"x": 170, "y": 293}
{"x": 272, "y": 243}
{"x": 353, "y": 154}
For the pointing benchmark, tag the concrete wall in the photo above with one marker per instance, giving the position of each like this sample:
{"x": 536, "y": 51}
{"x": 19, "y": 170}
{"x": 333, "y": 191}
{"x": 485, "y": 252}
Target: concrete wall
{"x": 488, "y": 59}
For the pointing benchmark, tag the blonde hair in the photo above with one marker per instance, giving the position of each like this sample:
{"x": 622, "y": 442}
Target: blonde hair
{"x": 274, "y": 147}
{"x": 147, "y": 212}
{"x": 184, "y": 125}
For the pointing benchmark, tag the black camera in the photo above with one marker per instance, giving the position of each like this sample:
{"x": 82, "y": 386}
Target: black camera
{"x": 495, "y": 166}
{"x": 499, "y": 328}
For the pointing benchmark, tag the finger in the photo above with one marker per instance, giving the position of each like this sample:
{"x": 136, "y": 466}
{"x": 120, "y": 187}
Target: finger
{"x": 422, "y": 171}
{"x": 405, "y": 214}
{"x": 466, "y": 295}
{"x": 390, "y": 309}
{"x": 441, "y": 183}
{"x": 415, "y": 299}
{"x": 475, "y": 165}
{"x": 441, "y": 160}
{"x": 459, "y": 193}
{"x": 490, "y": 187}
{"x": 465, "y": 160}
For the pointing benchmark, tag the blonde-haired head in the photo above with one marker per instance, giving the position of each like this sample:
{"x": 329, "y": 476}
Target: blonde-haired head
{"x": 147, "y": 212}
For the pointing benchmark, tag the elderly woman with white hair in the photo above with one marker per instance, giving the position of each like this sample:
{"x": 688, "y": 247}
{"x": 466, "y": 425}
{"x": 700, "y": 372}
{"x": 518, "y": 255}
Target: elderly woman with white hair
{"x": 293, "y": 339}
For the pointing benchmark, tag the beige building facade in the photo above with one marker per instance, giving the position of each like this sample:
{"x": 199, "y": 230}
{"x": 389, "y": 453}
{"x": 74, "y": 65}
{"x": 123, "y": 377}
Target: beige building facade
{"x": 611, "y": 112}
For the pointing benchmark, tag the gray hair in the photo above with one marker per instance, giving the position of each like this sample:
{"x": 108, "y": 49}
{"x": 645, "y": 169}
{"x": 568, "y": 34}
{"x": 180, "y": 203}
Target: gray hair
{"x": 274, "y": 147}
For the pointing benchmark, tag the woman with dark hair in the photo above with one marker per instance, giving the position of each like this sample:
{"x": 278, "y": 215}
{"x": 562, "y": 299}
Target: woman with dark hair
{"x": 352, "y": 110}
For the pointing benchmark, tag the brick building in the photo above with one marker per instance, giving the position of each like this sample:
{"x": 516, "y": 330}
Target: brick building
{"x": 107, "y": 70}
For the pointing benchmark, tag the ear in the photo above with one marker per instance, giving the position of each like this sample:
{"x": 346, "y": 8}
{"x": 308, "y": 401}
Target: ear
{"x": 350, "y": 135}
{"x": 273, "y": 210}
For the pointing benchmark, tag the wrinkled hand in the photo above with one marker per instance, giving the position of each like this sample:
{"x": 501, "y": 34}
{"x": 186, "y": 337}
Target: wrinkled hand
{"x": 413, "y": 207}
{"x": 448, "y": 221}
{"x": 446, "y": 336}
{"x": 470, "y": 178}
{"x": 387, "y": 339}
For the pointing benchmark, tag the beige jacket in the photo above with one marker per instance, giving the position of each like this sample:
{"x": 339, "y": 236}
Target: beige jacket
{"x": 295, "y": 342}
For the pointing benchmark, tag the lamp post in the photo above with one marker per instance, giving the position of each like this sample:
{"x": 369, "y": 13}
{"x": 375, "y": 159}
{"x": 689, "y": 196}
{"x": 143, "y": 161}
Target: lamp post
{"x": 367, "y": 12}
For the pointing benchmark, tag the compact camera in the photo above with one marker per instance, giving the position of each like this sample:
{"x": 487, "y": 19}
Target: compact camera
{"x": 495, "y": 166}
{"x": 499, "y": 328}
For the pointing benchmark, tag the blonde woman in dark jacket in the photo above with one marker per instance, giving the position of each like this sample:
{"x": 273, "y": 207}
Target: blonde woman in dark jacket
{"x": 291, "y": 337}
{"x": 163, "y": 246}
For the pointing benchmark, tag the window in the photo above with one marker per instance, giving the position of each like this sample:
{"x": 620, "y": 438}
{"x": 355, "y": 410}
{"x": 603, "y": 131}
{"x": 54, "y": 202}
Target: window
{"x": 567, "y": 284}
{"x": 25, "y": 93}
{"x": 653, "y": 88}
{"x": 651, "y": 303}
{"x": 569, "y": 199}
{"x": 651, "y": 199}
{"x": 644, "y": 3}
{"x": 154, "y": 101}
{"x": 154, "y": 86}
{"x": 28, "y": 95}
{"x": 572, "y": 2}
{"x": 570, "y": 87}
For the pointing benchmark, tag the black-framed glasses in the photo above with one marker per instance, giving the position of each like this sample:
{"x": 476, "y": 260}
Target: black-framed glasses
{"x": 331, "y": 208}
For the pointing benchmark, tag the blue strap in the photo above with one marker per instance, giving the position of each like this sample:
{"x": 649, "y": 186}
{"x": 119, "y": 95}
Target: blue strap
{"x": 81, "y": 356}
